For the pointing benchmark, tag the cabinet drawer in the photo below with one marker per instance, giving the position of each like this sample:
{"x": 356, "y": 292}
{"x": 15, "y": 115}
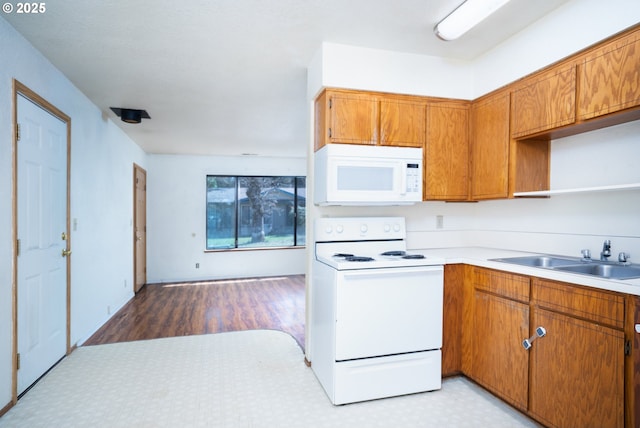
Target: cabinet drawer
{"x": 598, "y": 306}
{"x": 504, "y": 284}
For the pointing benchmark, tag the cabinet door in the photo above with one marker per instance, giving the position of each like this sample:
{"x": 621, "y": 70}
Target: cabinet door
{"x": 632, "y": 375}
{"x": 544, "y": 102}
{"x": 500, "y": 363}
{"x": 353, "y": 118}
{"x": 609, "y": 78}
{"x": 490, "y": 147}
{"x": 452, "y": 327}
{"x": 402, "y": 123}
{"x": 577, "y": 373}
{"x": 446, "y": 153}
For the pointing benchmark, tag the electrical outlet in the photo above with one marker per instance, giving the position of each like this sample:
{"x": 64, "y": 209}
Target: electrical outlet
{"x": 439, "y": 221}
{"x": 197, "y": 265}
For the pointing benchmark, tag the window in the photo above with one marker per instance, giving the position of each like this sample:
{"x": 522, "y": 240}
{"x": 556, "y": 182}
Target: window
{"x": 255, "y": 212}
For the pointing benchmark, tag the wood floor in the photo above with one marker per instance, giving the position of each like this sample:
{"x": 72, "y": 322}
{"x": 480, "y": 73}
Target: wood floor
{"x": 182, "y": 309}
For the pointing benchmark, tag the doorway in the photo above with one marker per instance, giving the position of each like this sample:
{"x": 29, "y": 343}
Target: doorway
{"x": 140, "y": 227}
{"x": 41, "y": 313}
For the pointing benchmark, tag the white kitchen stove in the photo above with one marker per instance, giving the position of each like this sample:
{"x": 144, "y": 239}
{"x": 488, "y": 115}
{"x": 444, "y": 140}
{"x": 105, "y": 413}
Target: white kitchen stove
{"x": 376, "y": 311}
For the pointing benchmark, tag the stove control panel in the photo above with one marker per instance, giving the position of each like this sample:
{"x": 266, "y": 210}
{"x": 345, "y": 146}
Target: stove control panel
{"x": 336, "y": 229}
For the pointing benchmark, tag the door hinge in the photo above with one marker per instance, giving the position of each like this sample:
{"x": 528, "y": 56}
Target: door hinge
{"x": 17, "y": 247}
{"x": 18, "y": 361}
{"x": 627, "y": 347}
{"x": 329, "y": 132}
{"x": 17, "y": 132}
{"x": 330, "y": 102}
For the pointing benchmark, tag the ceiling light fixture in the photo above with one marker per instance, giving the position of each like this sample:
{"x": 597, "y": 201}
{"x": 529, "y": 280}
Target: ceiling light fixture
{"x": 130, "y": 115}
{"x": 465, "y": 17}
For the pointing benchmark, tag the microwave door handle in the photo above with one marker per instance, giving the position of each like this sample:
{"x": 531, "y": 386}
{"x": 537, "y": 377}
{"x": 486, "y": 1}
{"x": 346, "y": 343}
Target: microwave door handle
{"x": 403, "y": 179}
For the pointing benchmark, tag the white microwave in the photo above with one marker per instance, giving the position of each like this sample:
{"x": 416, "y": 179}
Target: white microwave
{"x": 349, "y": 174}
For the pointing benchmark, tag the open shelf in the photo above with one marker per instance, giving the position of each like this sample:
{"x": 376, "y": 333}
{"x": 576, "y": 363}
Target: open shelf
{"x": 612, "y": 188}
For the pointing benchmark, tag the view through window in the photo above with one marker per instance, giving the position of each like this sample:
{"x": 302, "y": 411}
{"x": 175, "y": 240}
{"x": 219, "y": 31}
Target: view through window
{"x": 255, "y": 212}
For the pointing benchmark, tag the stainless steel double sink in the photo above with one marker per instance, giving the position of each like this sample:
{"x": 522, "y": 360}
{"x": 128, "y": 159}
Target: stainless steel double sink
{"x": 601, "y": 269}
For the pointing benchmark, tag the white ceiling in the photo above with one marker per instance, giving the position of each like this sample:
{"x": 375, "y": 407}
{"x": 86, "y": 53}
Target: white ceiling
{"x": 228, "y": 77}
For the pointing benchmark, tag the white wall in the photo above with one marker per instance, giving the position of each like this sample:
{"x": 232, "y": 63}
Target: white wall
{"x": 176, "y": 217}
{"x": 344, "y": 66}
{"x": 101, "y": 198}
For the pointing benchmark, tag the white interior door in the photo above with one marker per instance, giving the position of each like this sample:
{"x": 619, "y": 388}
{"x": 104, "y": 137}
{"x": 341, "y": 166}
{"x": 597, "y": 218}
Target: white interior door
{"x": 41, "y": 222}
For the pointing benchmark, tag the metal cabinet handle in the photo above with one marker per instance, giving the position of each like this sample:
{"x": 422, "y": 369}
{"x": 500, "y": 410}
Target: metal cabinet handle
{"x": 66, "y": 252}
{"x": 528, "y": 343}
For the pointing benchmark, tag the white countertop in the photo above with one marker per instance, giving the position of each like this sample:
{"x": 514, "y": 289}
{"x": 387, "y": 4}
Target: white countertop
{"x": 479, "y": 256}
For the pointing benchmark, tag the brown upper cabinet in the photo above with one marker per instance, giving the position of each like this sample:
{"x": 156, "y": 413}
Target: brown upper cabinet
{"x": 544, "y": 102}
{"x": 610, "y": 78}
{"x": 356, "y": 117}
{"x": 402, "y": 122}
{"x": 446, "y": 152}
{"x": 346, "y": 117}
{"x": 580, "y": 93}
{"x": 489, "y": 147}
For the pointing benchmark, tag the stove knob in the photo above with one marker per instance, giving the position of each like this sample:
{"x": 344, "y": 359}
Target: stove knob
{"x": 387, "y": 227}
{"x": 396, "y": 227}
{"x": 328, "y": 230}
{"x": 339, "y": 228}
{"x": 363, "y": 228}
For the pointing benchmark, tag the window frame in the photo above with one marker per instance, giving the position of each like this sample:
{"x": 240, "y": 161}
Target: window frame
{"x": 237, "y": 213}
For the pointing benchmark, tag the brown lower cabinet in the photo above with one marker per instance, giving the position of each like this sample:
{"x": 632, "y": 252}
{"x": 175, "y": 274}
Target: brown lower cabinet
{"x": 498, "y": 363}
{"x": 577, "y": 373}
{"x": 584, "y": 372}
{"x": 577, "y": 369}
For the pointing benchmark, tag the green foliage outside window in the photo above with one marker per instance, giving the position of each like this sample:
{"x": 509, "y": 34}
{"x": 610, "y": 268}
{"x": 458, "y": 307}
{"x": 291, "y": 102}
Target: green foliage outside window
{"x": 255, "y": 212}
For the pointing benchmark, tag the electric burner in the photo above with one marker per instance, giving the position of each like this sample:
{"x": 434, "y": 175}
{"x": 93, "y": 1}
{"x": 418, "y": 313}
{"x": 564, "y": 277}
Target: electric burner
{"x": 343, "y": 255}
{"x": 359, "y": 259}
{"x": 394, "y": 253}
{"x": 413, "y": 256}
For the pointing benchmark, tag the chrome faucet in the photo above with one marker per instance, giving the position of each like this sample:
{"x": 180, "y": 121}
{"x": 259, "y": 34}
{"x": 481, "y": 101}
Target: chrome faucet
{"x": 606, "y": 250}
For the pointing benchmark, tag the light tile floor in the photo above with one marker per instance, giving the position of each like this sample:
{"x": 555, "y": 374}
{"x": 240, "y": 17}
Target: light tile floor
{"x": 239, "y": 379}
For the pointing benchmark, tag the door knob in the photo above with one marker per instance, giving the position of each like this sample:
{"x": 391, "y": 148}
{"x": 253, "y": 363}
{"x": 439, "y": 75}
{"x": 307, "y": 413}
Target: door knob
{"x": 66, "y": 252}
